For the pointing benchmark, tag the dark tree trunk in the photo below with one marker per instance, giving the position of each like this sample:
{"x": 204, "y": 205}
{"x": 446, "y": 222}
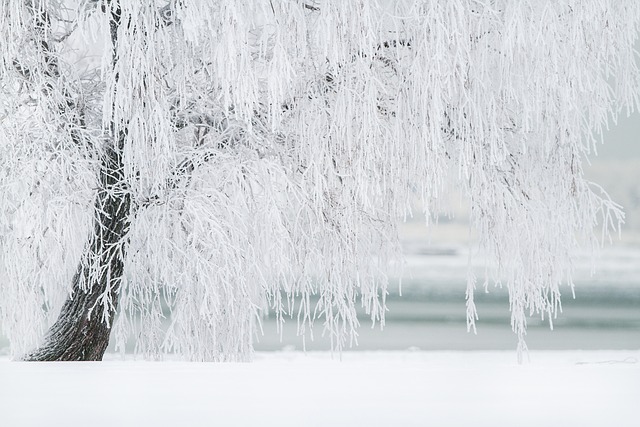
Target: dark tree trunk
{"x": 83, "y": 327}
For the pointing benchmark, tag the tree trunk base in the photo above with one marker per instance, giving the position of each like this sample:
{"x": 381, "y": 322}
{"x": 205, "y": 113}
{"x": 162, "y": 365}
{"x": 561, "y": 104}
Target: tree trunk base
{"x": 76, "y": 335}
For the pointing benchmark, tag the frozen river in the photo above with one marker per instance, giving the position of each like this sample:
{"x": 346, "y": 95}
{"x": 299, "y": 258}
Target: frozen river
{"x": 430, "y": 315}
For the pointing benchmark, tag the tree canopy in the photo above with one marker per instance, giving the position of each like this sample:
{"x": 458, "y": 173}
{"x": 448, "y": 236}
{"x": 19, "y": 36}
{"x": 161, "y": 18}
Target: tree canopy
{"x": 261, "y": 153}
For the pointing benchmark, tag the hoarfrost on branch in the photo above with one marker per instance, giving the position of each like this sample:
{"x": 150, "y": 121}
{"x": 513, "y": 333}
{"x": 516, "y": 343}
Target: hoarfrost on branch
{"x": 269, "y": 148}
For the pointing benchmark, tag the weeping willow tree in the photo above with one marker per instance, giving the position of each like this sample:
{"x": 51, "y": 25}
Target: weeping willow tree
{"x": 228, "y": 159}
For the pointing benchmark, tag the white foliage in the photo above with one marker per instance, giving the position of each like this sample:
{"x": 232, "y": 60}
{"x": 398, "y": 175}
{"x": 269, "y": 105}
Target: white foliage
{"x": 271, "y": 146}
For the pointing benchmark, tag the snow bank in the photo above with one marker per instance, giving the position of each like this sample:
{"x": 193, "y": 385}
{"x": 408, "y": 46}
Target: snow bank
{"x": 592, "y": 388}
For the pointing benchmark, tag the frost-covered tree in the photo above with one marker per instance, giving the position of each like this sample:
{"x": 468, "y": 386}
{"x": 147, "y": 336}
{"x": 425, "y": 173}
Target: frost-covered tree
{"x": 226, "y": 159}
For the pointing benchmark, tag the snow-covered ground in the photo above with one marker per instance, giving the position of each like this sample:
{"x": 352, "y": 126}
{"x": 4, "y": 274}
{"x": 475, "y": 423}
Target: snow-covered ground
{"x": 378, "y": 388}
{"x": 566, "y": 388}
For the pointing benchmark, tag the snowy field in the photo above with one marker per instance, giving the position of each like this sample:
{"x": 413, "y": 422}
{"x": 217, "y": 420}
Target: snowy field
{"x": 465, "y": 380}
{"x": 564, "y": 388}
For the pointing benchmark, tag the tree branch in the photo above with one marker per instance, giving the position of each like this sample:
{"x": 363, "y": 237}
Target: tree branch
{"x": 310, "y": 7}
{"x": 68, "y": 107}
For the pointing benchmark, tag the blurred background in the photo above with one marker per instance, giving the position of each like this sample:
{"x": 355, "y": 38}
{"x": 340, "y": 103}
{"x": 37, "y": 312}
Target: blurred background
{"x": 431, "y": 314}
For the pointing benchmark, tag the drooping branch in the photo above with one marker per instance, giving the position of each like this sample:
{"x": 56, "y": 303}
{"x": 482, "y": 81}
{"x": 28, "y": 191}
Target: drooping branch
{"x": 68, "y": 107}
